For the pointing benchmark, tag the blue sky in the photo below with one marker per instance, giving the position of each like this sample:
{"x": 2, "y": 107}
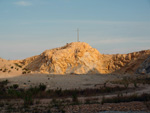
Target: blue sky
{"x": 28, "y": 27}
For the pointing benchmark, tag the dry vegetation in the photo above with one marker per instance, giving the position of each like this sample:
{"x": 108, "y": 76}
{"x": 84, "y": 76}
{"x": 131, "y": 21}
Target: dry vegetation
{"x": 40, "y": 99}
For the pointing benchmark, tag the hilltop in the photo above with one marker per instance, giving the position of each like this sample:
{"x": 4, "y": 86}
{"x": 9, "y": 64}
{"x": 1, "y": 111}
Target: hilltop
{"x": 79, "y": 58}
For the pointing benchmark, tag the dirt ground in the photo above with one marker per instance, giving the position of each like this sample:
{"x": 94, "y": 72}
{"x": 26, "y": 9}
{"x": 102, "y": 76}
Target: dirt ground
{"x": 60, "y": 81}
{"x": 90, "y": 104}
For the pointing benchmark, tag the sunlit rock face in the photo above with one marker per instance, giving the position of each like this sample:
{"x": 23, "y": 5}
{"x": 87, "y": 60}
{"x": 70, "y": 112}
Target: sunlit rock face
{"x": 81, "y": 58}
{"x": 73, "y": 58}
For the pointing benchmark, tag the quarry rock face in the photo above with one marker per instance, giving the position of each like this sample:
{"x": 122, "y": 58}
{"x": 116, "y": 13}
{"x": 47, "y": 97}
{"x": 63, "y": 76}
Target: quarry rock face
{"x": 144, "y": 68}
{"x": 81, "y": 58}
{"x": 125, "y": 63}
{"x": 73, "y": 58}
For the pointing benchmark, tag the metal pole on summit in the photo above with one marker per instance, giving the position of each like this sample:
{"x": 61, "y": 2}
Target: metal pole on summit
{"x": 77, "y": 34}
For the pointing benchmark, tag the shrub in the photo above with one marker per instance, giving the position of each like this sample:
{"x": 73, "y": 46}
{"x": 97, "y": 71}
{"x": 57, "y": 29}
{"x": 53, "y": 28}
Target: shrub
{"x": 135, "y": 84}
{"x": 15, "y": 86}
{"x": 28, "y": 100}
{"x": 42, "y": 87}
{"x": 59, "y": 92}
{"x": 5, "y": 82}
{"x": 24, "y": 72}
{"x": 29, "y": 71}
{"x": 25, "y": 69}
{"x": 75, "y": 98}
{"x": 103, "y": 100}
{"x": 5, "y": 70}
{"x": 9, "y": 71}
{"x": 18, "y": 65}
{"x": 12, "y": 67}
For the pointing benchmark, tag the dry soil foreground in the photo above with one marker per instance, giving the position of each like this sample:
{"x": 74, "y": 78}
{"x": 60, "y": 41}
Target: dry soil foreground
{"x": 60, "y": 81}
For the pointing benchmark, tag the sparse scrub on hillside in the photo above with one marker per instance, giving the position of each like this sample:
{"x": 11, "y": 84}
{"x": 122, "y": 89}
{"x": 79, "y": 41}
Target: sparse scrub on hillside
{"x": 29, "y": 71}
{"x": 18, "y": 65}
{"x": 5, "y": 70}
{"x": 25, "y": 69}
{"x": 24, "y": 72}
{"x": 9, "y": 71}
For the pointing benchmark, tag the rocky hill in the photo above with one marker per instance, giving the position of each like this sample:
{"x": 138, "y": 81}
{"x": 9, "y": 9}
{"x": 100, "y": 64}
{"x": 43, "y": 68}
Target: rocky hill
{"x": 81, "y": 58}
{"x": 76, "y": 57}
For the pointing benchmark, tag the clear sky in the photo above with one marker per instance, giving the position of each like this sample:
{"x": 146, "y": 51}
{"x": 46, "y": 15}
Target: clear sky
{"x": 28, "y": 27}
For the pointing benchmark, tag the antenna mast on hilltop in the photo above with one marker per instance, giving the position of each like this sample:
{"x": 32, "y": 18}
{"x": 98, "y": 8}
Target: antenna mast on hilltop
{"x": 77, "y": 34}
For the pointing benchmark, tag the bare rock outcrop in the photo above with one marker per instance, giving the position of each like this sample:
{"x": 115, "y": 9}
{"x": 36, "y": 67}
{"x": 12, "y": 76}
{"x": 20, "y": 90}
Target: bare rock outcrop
{"x": 144, "y": 68}
{"x": 125, "y": 63}
{"x": 81, "y": 58}
{"x": 76, "y": 57}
